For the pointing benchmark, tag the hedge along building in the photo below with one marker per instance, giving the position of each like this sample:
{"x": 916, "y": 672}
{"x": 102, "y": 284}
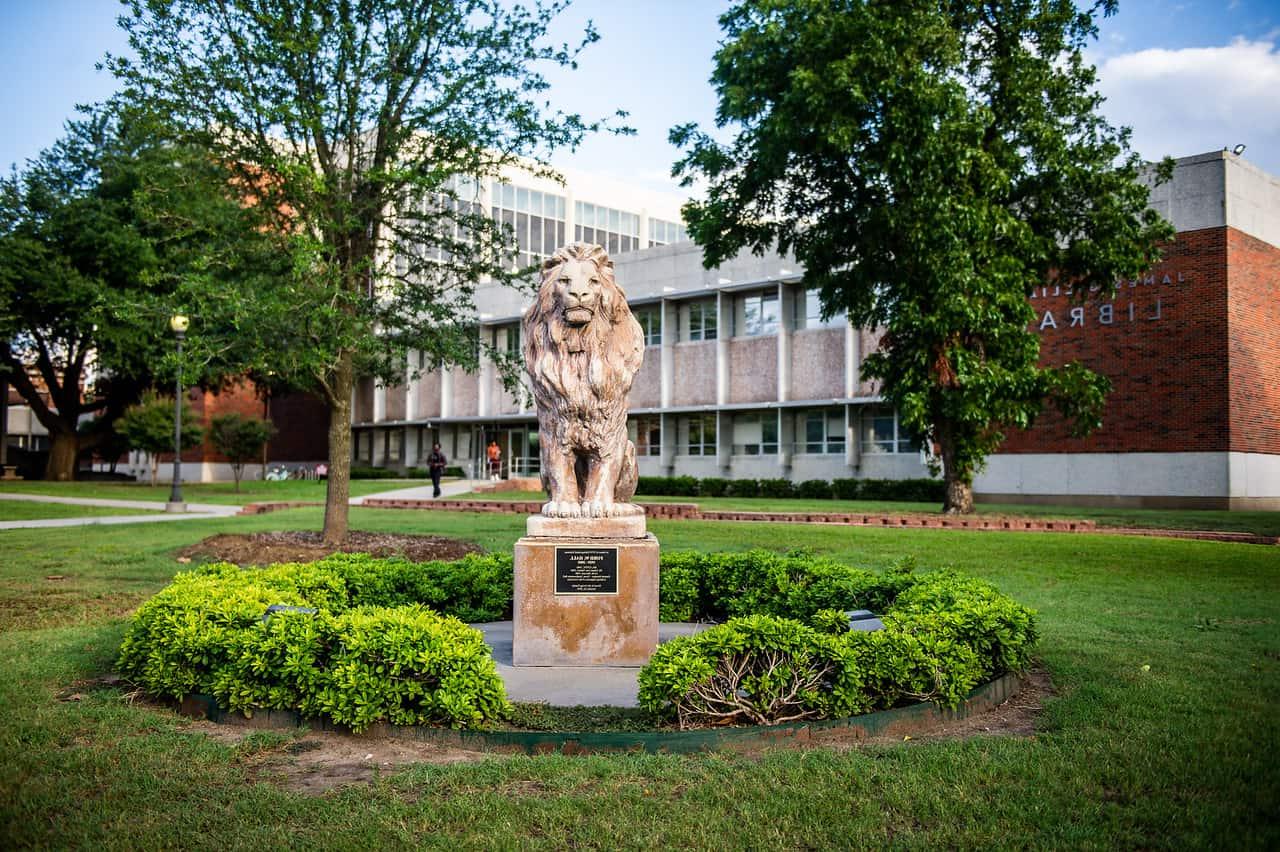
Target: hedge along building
{"x": 742, "y": 378}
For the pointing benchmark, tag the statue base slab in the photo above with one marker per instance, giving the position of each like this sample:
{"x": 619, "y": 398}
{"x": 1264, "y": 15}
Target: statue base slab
{"x": 585, "y": 601}
{"x": 629, "y": 526}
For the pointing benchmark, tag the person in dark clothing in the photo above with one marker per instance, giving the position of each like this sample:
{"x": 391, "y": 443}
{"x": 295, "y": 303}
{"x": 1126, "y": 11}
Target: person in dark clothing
{"x": 436, "y": 463}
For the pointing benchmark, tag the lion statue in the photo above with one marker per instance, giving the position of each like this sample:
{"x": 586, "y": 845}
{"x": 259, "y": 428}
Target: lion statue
{"x": 582, "y": 348}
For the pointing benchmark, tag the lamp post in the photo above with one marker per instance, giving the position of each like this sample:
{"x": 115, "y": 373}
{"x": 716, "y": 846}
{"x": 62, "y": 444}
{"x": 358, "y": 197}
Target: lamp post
{"x": 178, "y": 323}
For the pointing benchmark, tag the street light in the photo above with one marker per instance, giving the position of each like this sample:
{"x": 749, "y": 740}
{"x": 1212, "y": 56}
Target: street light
{"x": 178, "y": 323}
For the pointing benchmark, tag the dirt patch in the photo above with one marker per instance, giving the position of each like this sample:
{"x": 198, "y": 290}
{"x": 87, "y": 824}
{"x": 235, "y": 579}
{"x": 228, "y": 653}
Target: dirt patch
{"x": 267, "y": 548}
{"x": 314, "y": 762}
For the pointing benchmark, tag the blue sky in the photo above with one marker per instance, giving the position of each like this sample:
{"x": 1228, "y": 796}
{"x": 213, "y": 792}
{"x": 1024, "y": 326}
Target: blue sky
{"x": 1188, "y": 77}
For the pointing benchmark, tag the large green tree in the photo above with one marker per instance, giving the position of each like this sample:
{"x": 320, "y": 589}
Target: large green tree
{"x": 101, "y": 237}
{"x": 929, "y": 162}
{"x": 362, "y": 130}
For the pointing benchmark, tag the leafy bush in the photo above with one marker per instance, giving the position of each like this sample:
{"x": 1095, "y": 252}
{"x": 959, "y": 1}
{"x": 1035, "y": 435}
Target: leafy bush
{"x": 454, "y": 472}
{"x": 787, "y": 652}
{"x": 667, "y": 486}
{"x": 370, "y": 652}
{"x": 846, "y": 489}
{"x": 814, "y": 489}
{"x": 712, "y": 487}
{"x": 742, "y": 488}
{"x": 777, "y": 488}
{"x": 359, "y": 472}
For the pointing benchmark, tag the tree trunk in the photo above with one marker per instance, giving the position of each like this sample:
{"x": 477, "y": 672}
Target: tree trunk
{"x": 64, "y": 449}
{"x": 236, "y": 471}
{"x": 958, "y": 499}
{"x": 339, "y": 488}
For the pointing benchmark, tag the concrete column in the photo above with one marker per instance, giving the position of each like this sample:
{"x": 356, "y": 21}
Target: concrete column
{"x": 852, "y": 360}
{"x": 724, "y": 329}
{"x": 412, "y": 452}
{"x": 786, "y": 314}
{"x": 667, "y": 423}
{"x": 724, "y": 441}
{"x": 379, "y": 402}
{"x": 411, "y": 386}
{"x": 667, "y": 359}
{"x": 644, "y": 233}
{"x": 484, "y": 403}
{"x": 852, "y": 438}
{"x": 446, "y": 392}
{"x": 786, "y": 441}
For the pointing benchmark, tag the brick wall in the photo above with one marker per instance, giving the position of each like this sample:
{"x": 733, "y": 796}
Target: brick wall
{"x": 301, "y": 423}
{"x": 1253, "y": 311}
{"x": 1163, "y": 342}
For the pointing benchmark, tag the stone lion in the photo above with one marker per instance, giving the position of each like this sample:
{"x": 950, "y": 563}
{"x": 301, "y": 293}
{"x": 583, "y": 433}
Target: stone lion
{"x": 582, "y": 347}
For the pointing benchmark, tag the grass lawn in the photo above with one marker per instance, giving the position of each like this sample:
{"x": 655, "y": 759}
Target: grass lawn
{"x": 1183, "y": 754}
{"x": 21, "y": 510}
{"x": 1259, "y": 523}
{"x": 251, "y": 491}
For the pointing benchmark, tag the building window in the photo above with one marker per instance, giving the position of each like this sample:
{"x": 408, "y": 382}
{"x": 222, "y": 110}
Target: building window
{"x": 537, "y": 218}
{"x": 823, "y": 430}
{"x": 512, "y": 343}
{"x": 646, "y": 434}
{"x": 809, "y": 312}
{"x": 662, "y": 232}
{"x": 755, "y": 434}
{"x": 883, "y": 433}
{"x": 395, "y": 445}
{"x": 700, "y": 434}
{"x": 615, "y": 230}
{"x": 650, "y": 319}
{"x": 701, "y": 319}
{"x": 758, "y": 314}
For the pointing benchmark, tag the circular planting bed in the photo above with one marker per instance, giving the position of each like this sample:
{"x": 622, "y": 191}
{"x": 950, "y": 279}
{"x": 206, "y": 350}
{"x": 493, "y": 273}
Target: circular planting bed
{"x": 355, "y": 641}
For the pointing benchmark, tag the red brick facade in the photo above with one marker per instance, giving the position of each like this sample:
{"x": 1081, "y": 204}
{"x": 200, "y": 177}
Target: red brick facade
{"x": 301, "y": 423}
{"x": 1192, "y": 351}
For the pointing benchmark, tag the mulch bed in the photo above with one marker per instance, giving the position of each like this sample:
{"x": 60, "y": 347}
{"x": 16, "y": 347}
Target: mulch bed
{"x": 270, "y": 547}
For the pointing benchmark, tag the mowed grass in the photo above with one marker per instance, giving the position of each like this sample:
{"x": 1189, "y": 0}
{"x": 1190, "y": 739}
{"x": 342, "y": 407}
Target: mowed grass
{"x": 22, "y": 510}
{"x": 251, "y": 491}
{"x": 1257, "y": 523}
{"x": 1180, "y": 754}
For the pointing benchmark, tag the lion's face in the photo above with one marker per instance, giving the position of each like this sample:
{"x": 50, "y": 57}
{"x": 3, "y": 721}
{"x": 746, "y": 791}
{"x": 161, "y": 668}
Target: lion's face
{"x": 577, "y": 288}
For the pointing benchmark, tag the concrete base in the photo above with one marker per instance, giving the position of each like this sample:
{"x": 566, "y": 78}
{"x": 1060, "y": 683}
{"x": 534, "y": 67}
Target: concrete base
{"x": 9, "y": 473}
{"x": 630, "y": 526}
{"x": 175, "y": 508}
{"x": 595, "y": 629}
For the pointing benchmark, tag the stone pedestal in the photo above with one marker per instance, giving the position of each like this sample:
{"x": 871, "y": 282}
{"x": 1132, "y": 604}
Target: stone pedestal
{"x": 585, "y": 600}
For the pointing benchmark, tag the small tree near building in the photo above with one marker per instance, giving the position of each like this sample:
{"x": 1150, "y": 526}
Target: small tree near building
{"x": 148, "y": 427}
{"x": 929, "y": 163}
{"x": 239, "y": 438}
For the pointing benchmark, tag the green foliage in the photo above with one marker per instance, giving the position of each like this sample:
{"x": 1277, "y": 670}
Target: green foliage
{"x": 778, "y": 489}
{"x": 742, "y": 488}
{"x": 670, "y": 486}
{"x": 148, "y": 426}
{"x": 361, "y": 472}
{"x": 372, "y": 652}
{"x": 928, "y": 164}
{"x": 342, "y": 118}
{"x": 944, "y": 635}
{"x": 711, "y": 487}
{"x": 814, "y": 489}
{"x": 240, "y": 439}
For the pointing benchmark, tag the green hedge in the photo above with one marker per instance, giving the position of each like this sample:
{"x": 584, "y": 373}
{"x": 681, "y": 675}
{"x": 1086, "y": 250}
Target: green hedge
{"x": 359, "y": 472}
{"x": 890, "y": 490}
{"x": 371, "y": 653}
{"x": 786, "y": 652}
{"x": 379, "y": 649}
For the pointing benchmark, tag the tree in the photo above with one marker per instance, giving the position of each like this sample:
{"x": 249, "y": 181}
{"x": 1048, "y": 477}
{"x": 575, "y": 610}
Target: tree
{"x": 361, "y": 130}
{"x": 148, "y": 426}
{"x": 239, "y": 438}
{"x": 101, "y": 238}
{"x": 929, "y": 162}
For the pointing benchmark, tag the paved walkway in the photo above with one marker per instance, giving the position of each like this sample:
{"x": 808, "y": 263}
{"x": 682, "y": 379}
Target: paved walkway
{"x": 565, "y": 686}
{"x": 194, "y": 511}
{"x": 422, "y": 492}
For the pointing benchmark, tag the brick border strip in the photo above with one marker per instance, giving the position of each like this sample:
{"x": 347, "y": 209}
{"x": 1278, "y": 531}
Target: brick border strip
{"x": 691, "y": 512}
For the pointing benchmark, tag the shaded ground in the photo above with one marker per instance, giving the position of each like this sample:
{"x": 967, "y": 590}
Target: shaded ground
{"x": 297, "y": 546}
{"x": 314, "y": 762}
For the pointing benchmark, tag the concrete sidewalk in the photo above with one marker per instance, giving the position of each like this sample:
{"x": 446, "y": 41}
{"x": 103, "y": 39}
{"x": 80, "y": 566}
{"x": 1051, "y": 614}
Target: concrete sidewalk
{"x": 422, "y": 492}
{"x": 567, "y": 686}
{"x": 194, "y": 511}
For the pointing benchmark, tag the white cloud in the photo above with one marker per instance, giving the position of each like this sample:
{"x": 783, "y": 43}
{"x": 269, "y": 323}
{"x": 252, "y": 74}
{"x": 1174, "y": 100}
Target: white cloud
{"x": 1198, "y": 99}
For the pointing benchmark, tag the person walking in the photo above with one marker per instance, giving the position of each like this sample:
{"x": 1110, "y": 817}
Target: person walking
{"x": 436, "y": 463}
{"x": 495, "y": 461}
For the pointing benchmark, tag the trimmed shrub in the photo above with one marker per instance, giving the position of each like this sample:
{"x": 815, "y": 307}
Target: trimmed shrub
{"x": 454, "y": 471}
{"x": 358, "y": 472}
{"x": 742, "y": 488}
{"x": 777, "y": 488}
{"x": 712, "y": 487}
{"x": 814, "y": 489}
{"x": 370, "y": 652}
{"x": 846, "y": 489}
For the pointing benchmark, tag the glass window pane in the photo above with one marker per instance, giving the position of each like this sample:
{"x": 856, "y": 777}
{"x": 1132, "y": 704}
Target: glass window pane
{"x": 522, "y": 200}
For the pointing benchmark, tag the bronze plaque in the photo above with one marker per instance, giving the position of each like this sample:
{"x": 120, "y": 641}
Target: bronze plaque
{"x": 586, "y": 570}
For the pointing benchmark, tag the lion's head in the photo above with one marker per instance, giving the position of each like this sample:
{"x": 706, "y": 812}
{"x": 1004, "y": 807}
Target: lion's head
{"x": 581, "y": 309}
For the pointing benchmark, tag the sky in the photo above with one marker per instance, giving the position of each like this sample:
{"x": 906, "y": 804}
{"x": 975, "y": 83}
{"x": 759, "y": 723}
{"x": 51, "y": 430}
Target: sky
{"x": 1187, "y": 77}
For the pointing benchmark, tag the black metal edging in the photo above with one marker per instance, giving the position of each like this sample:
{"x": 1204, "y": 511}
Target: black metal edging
{"x": 900, "y": 720}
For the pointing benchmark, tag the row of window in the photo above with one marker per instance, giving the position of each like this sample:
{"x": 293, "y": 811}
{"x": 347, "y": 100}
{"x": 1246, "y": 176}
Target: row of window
{"x": 819, "y": 431}
{"x": 755, "y": 314}
{"x": 662, "y": 232}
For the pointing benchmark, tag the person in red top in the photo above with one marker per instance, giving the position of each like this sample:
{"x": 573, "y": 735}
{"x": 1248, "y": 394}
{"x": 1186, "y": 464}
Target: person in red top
{"x": 495, "y": 461}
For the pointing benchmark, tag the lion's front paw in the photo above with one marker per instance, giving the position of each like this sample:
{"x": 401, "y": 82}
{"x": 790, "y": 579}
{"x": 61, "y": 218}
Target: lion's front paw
{"x": 549, "y": 509}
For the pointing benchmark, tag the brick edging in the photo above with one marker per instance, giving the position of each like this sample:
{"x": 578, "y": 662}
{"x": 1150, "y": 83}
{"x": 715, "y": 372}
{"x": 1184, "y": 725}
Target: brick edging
{"x": 691, "y": 511}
